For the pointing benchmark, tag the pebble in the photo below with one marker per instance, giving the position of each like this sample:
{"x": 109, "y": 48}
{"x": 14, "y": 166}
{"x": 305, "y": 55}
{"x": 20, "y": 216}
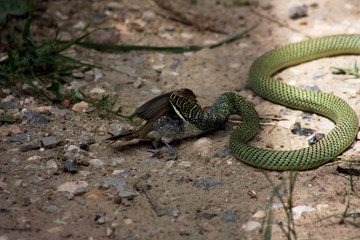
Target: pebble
{"x": 302, "y": 131}
{"x": 51, "y": 164}
{"x": 34, "y": 158}
{"x": 298, "y": 10}
{"x": 209, "y": 216}
{"x": 16, "y": 160}
{"x": 251, "y": 225}
{"x": 99, "y": 219}
{"x": 8, "y": 104}
{"x": 34, "y": 144}
{"x": 203, "y": 146}
{"x": 307, "y": 116}
{"x": 137, "y": 83}
{"x": 322, "y": 207}
{"x": 70, "y": 165}
{"x": 117, "y": 161}
{"x": 85, "y": 147}
{"x": 207, "y": 184}
{"x": 114, "y": 6}
{"x": 298, "y": 210}
{"x": 97, "y": 90}
{"x": 145, "y": 176}
{"x": 229, "y": 217}
{"x": 80, "y": 107}
{"x": 185, "y": 164}
{"x": 120, "y": 185}
{"x": 53, "y": 208}
{"x": 116, "y": 129}
{"x": 37, "y": 121}
{"x": 71, "y": 186}
{"x": 19, "y": 137}
{"x": 148, "y": 16}
{"x": 175, "y": 63}
{"x": 8, "y": 130}
{"x": 315, "y": 138}
{"x": 259, "y": 214}
{"x": 126, "y": 174}
{"x": 94, "y": 197}
{"x": 109, "y": 231}
{"x": 97, "y": 162}
{"x": 223, "y": 153}
{"x": 51, "y": 141}
{"x": 311, "y": 87}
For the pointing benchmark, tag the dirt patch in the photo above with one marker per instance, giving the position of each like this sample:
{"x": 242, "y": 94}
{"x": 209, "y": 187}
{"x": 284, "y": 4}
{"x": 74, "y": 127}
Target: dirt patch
{"x": 128, "y": 194}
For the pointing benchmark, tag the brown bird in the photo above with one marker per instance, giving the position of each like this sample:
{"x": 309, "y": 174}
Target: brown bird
{"x": 163, "y": 123}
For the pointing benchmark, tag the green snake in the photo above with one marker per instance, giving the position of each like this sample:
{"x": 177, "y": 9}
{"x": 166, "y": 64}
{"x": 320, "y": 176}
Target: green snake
{"x": 336, "y": 109}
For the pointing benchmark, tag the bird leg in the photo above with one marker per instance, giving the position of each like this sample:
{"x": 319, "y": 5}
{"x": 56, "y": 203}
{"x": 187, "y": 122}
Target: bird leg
{"x": 156, "y": 150}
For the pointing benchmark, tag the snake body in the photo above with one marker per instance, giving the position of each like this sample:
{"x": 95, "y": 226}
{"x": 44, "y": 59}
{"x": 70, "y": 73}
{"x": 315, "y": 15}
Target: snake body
{"x": 263, "y": 84}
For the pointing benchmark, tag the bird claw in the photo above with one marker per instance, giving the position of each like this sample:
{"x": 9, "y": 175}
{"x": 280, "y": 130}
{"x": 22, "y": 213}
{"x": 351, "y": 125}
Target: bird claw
{"x": 156, "y": 151}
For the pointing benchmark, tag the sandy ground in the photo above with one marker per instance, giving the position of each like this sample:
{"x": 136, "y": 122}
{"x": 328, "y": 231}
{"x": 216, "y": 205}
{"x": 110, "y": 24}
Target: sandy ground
{"x": 198, "y": 196}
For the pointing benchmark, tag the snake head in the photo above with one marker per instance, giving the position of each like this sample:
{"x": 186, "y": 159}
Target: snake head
{"x": 185, "y": 106}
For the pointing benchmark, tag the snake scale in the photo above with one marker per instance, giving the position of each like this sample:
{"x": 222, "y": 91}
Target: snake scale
{"x": 336, "y": 109}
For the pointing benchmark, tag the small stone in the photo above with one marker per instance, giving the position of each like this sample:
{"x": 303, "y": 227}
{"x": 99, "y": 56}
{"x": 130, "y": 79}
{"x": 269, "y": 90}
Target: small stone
{"x": 70, "y": 165}
{"x": 316, "y": 138}
{"x": 137, "y": 83}
{"x": 71, "y": 186}
{"x": 229, "y": 217}
{"x": 118, "y": 200}
{"x": 137, "y": 60}
{"x": 148, "y": 16}
{"x": 175, "y": 63}
{"x": 307, "y": 116}
{"x": 34, "y": 158}
{"x": 80, "y": 107}
{"x": 99, "y": 219}
{"x": 207, "y": 184}
{"x": 97, "y": 90}
{"x": 223, "y": 153}
{"x": 298, "y": 210}
{"x": 114, "y": 6}
{"x": 128, "y": 221}
{"x": 117, "y": 161}
{"x": 251, "y": 225}
{"x": 97, "y": 162}
{"x": 322, "y": 207}
{"x": 120, "y": 185}
{"x": 34, "y": 144}
{"x": 116, "y": 129}
{"x": 298, "y": 10}
{"x": 94, "y": 197}
{"x": 302, "y": 131}
{"x": 311, "y": 87}
{"x": 19, "y": 137}
{"x": 37, "y": 121}
{"x": 203, "y": 146}
{"x": 8, "y": 130}
{"x": 53, "y": 208}
{"x": 185, "y": 164}
{"x": 109, "y": 231}
{"x": 209, "y": 216}
{"x": 259, "y": 214}
{"x": 8, "y": 105}
{"x": 145, "y": 177}
{"x": 80, "y": 191}
{"x": 51, "y": 164}
{"x": 51, "y": 141}
{"x": 85, "y": 147}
